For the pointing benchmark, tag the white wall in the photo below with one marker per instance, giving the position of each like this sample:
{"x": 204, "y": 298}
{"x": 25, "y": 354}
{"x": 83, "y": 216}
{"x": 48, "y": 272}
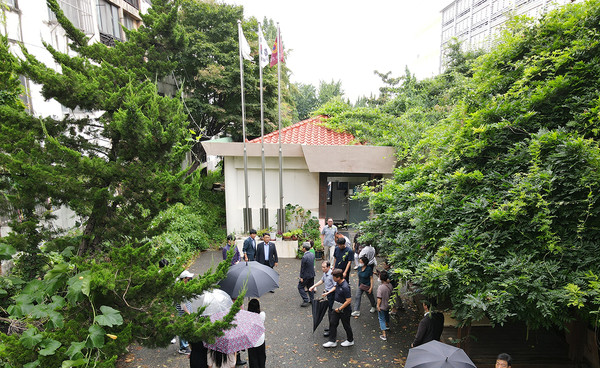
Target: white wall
{"x": 299, "y": 187}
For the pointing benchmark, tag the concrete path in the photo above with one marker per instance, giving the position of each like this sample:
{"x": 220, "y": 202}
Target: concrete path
{"x": 289, "y": 338}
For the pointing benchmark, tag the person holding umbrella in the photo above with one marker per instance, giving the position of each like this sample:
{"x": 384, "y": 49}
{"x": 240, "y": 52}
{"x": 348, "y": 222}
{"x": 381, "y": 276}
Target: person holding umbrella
{"x": 216, "y": 359}
{"x": 182, "y": 308}
{"x": 341, "y": 311}
{"x": 326, "y": 279}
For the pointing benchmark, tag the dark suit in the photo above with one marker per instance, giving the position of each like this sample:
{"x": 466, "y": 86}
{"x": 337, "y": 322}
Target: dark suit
{"x": 249, "y": 249}
{"x": 430, "y": 328}
{"x": 307, "y": 274}
{"x": 260, "y": 254}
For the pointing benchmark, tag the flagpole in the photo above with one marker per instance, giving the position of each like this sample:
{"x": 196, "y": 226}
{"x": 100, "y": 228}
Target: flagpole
{"x": 264, "y": 217}
{"x": 247, "y": 212}
{"x": 281, "y": 214}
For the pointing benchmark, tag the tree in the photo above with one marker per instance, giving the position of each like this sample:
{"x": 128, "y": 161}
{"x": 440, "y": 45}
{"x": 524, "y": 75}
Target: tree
{"x": 85, "y": 295}
{"x": 209, "y": 72}
{"x": 305, "y": 97}
{"x": 496, "y": 209}
{"x": 329, "y": 90}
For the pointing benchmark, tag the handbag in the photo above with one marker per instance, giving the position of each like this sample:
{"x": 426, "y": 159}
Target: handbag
{"x": 364, "y": 287}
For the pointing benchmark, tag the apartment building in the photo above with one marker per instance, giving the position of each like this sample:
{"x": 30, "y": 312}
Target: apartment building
{"x": 475, "y": 23}
{"x": 30, "y": 22}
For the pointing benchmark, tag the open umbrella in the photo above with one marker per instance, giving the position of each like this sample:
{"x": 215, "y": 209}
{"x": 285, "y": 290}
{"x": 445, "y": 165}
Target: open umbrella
{"x": 435, "y": 354}
{"x": 258, "y": 278}
{"x": 319, "y": 308}
{"x": 215, "y": 300}
{"x": 248, "y": 330}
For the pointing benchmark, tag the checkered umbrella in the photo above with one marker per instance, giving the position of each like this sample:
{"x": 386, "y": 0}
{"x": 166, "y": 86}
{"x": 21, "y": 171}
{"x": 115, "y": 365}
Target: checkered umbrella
{"x": 248, "y": 330}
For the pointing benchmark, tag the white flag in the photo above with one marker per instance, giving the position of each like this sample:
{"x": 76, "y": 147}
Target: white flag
{"x": 244, "y": 46}
{"x": 265, "y": 50}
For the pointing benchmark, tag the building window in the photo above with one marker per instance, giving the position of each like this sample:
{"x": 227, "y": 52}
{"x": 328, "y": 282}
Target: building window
{"x": 134, "y": 3}
{"x": 128, "y": 21}
{"x": 108, "y": 18}
{"x": 25, "y": 94}
{"x": 78, "y": 12}
{"x": 11, "y": 3}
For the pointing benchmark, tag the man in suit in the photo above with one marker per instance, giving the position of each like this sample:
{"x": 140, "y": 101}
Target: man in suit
{"x": 307, "y": 275}
{"x": 430, "y": 327}
{"x": 249, "y": 248}
{"x": 266, "y": 252}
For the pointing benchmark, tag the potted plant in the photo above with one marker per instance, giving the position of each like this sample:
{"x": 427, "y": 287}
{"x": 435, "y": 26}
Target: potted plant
{"x": 287, "y": 235}
{"x": 295, "y": 234}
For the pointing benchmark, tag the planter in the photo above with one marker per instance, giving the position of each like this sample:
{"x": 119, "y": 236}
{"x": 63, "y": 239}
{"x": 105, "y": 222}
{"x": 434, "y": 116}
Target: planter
{"x": 287, "y": 237}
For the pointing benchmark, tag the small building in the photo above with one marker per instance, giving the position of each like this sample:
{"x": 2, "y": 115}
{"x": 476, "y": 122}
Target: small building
{"x": 322, "y": 168}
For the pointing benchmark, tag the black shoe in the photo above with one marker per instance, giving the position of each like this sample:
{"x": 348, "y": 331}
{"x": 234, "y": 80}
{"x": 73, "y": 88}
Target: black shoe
{"x": 240, "y": 362}
{"x": 272, "y": 291}
{"x": 304, "y": 304}
{"x": 326, "y": 334}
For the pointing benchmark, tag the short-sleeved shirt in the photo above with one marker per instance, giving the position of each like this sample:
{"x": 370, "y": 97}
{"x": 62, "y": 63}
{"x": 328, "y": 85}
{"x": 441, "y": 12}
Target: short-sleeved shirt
{"x": 342, "y": 292}
{"x": 384, "y": 291}
{"x": 329, "y": 235}
{"x": 328, "y": 280}
{"x": 342, "y": 257}
{"x": 364, "y": 277}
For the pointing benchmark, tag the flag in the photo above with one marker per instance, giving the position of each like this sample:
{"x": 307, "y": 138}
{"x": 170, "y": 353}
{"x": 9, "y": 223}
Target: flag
{"x": 264, "y": 51}
{"x": 275, "y": 52}
{"x": 244, "y": 46}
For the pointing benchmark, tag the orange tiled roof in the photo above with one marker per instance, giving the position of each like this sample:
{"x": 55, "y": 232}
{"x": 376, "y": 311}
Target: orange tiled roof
{"x": 309, "y": 131}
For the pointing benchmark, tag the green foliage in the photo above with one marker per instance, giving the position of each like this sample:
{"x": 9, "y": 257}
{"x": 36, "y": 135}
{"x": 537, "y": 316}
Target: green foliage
{"x": 496, "y": 207}
{"x": 209, "y": 71}
{"x": 81, "y": 297}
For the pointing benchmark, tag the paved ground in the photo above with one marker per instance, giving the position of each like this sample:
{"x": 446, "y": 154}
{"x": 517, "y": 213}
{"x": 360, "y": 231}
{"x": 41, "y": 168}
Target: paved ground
{"x": 289, "y": 338}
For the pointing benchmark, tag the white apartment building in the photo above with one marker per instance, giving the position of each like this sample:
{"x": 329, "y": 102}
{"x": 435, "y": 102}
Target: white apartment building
{"x": 475, "y": 23}
{"x": 30, "y": 22}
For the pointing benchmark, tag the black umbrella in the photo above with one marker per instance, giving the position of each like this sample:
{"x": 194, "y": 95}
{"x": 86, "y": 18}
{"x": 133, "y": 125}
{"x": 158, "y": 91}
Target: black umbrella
{"x": 435, "y": 354}
{"x": 319, "y": 308}
{"x": 257, "y": 278}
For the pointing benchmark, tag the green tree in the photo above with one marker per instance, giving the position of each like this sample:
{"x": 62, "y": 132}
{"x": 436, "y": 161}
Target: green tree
{"x": 329, "y": 90}
{"x": 305, "y": 97}
{"x": 86, "y": 294}
{"x": 209, "y": 71}
{"x": 496, "y": 208}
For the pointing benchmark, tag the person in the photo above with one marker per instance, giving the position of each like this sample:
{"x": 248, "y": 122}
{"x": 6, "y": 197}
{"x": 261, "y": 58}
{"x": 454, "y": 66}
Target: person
{"x": 365, "y": 285}
{"x": 216, "y": 359}
{"x": 227, "y": 247}
{"x": 266, "y": 252}
{"x": 312, "y": 250}
{"x": 358, "y": 246}
{"x": 342, "y": 257}
{"x": 198, "y": 356}
{"x": 430, "y": 327}
{"x": 328, "y": 239}
{"x": 182, "y": 308}
{"x": 341, "y": 311}
{"x": 307, "y": 275}
{"x": 329, "y": 290}
{"x": 162, "y": 264}
{"x": 384, "y": 291}
{"x": 503, "y": 361}
{"x": 369, "y": 252}
{"x": 257, "y": 356}
{"x": 249, "y": 248}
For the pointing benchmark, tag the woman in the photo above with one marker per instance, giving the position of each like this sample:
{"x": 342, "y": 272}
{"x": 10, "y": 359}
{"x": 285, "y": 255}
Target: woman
{"x": 365, "y": 285}
{"x": 257, "y": 356}
{"x": 216, "y": 359}
{"x": 198, "y": 355}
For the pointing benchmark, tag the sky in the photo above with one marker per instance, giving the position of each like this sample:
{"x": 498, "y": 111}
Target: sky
{"x": 348, "y": 40}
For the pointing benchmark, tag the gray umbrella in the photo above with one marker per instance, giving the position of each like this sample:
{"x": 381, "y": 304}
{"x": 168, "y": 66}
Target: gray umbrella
{"x": 257, "y": 277}
{"x": 435, "y": 354}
